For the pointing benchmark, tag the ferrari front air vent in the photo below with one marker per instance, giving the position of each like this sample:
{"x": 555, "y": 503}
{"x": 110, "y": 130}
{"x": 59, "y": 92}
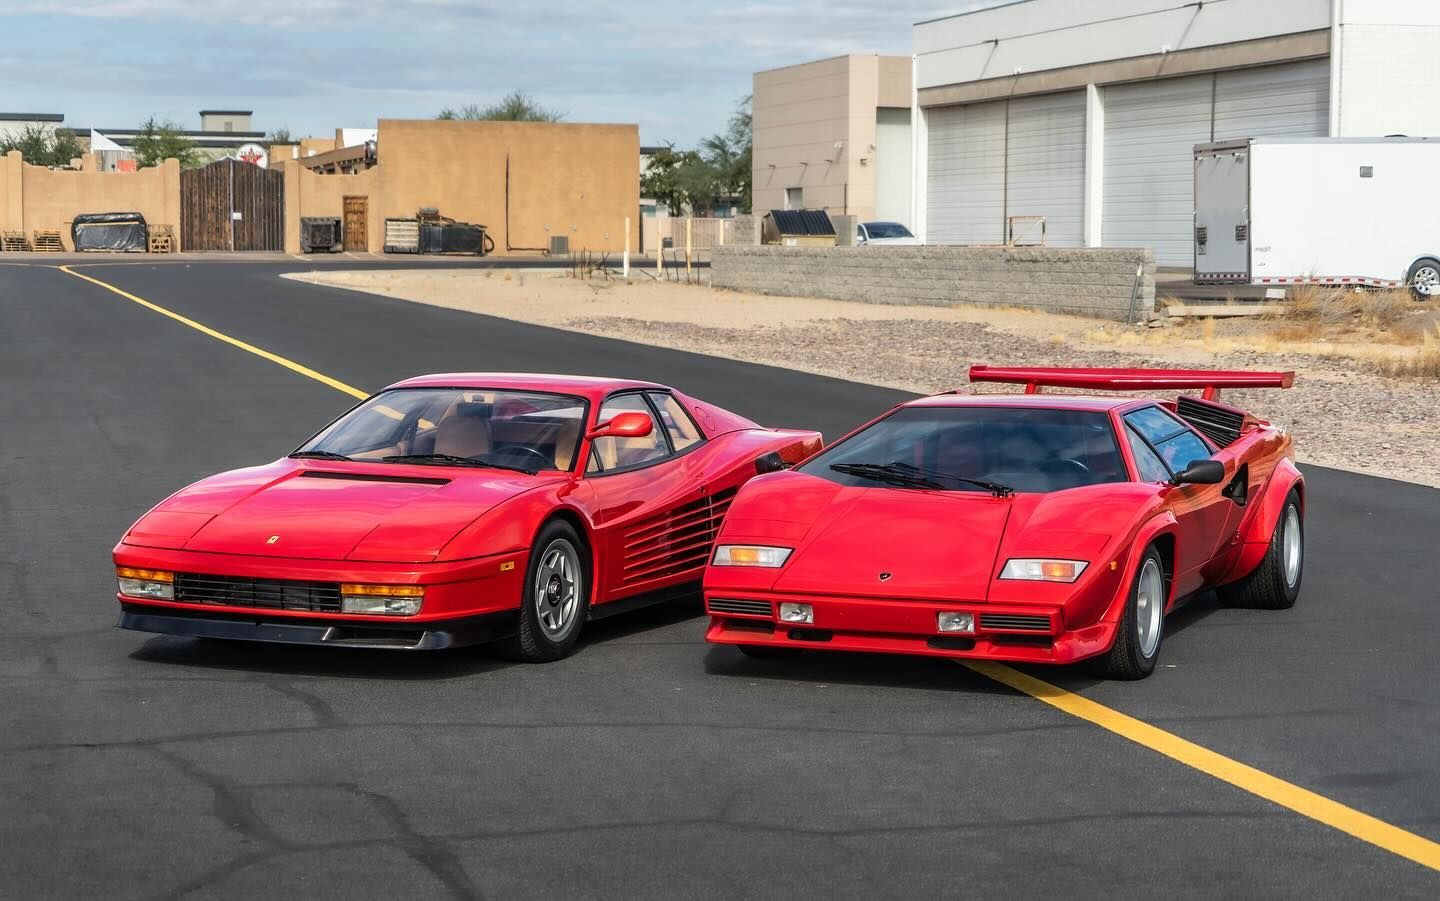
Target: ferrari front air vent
{"x": 1019, "y": 622}
{"x": 268, "y": 594}
{"x": 745, "y": 608}
{"x": 369, "y": 477}
{"x": 1220, "y": 423}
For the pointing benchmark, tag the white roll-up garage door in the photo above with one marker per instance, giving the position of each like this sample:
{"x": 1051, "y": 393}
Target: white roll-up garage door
{"x": 1151, "y": 129}
{"x": 965, "y": 192}
{"x": 1045, "y": 164}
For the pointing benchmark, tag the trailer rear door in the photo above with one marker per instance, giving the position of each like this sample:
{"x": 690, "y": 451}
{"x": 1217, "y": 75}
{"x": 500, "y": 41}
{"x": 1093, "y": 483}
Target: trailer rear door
{"x": 1222, "y": 214}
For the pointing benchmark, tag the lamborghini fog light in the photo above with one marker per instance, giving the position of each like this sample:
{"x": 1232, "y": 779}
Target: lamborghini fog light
{"x": 797, "y": 613}
{"x": 381, "y": 600}
{"x": 955, "y": 622}
{"x": 154, "y": 584}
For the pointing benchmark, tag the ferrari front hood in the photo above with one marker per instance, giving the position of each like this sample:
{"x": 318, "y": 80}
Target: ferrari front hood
{"x": 404, "y": 516}
{"x": 900, "y": 543}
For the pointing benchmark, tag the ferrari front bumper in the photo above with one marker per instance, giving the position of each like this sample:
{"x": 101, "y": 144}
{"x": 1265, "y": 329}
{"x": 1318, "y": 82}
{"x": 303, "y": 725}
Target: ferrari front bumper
{"x": 1012, "y": 633}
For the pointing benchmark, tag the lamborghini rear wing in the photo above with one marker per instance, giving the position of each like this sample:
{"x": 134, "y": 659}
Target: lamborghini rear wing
{"x": 1209, "y": 380}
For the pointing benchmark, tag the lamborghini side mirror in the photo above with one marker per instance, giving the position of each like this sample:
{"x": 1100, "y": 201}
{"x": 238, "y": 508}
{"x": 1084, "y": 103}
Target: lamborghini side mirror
{"x": 1201, "y": 472}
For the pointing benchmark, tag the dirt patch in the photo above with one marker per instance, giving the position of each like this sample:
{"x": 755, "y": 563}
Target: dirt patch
{"x": 1344, "y": 412}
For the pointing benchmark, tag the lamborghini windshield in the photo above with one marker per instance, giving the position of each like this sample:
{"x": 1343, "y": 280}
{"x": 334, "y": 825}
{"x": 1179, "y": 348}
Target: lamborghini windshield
{"x": 523, "y": 430}
{"x": 995, "y": 449}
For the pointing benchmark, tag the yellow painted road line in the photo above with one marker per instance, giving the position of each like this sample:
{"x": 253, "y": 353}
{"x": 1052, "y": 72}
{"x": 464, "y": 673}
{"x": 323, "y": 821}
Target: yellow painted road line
{"x": 1292, "y": 797}
{"x": 221, "y": 336}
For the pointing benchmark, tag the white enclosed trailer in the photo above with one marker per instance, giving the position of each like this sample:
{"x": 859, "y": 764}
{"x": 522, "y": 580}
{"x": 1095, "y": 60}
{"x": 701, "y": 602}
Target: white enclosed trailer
{"x": 1331, "y": 211}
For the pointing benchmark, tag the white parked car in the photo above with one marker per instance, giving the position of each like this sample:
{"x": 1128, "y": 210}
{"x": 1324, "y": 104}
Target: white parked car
{"x": 892, "y": 233}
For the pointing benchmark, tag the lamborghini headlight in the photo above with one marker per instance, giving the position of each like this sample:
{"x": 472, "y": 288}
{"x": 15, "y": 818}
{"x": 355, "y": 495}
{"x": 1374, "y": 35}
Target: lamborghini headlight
{"x": 1039, "y": 569}
{"x": 751, "y": 555}
{"x": 154, "y": 584}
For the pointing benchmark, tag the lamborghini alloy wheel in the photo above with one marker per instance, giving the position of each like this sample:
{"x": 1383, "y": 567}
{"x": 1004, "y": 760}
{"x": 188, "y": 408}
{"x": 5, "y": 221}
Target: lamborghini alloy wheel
{"x": 1275, "y": 583}
{"x": 1136, "y": 647}
{"x": 1149, "y": 606}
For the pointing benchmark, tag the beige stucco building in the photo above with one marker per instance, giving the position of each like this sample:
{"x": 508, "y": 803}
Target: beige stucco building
{"x": 835, "y": 135}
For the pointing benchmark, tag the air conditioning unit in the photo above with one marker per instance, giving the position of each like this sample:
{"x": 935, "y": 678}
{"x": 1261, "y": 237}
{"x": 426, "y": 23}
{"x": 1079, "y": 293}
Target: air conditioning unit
{"x": 559, "y": 244}
{"x": 402, "y": 236}
{"x": 320, "y": 233}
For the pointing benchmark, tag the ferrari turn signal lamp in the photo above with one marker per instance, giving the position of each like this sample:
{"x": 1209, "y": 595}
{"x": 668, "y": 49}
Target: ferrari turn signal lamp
{"x": 1042, "y": 570}
{"x": 381, "y": 600}
{"x": 955, "y": 622}
{"x": 797, "y": 613}
{"x": 751, "y": 555}
{"x": 155, "y": 584}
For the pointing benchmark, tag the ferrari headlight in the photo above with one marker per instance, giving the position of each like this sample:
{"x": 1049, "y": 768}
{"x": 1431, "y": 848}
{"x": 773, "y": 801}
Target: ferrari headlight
{"x": 751, "y": 555}
{"x": 1038, "y": 569}
{"x": 381, "y": 600}
{"x": 155, "y": 584}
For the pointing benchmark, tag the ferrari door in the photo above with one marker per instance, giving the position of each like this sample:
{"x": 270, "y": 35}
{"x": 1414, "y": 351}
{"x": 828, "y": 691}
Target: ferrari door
{"x": 644, "y": 498}
{"x": 1201, "y": 511}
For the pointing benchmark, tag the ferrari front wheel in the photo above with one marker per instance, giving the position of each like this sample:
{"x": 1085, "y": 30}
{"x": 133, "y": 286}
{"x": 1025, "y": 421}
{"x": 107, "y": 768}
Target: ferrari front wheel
{"x": 1137, "y": 643}
{"x": 556, "y": 597}
{"x": 1275, "y": 583}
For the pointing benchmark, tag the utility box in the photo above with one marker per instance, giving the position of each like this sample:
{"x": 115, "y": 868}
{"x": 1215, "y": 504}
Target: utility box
{"x": 320, "y": 233}
{"x": 1330, "y": 211}
{"x": 798, "y": 228}
{"x": 402, "y": 235}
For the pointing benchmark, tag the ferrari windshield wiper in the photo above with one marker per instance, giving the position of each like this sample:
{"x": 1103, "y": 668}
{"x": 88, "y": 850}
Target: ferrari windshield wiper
{"x": 317, "y": 455}
{"x": 875, "y": 472}
{"x": 994, "y": 488}
{"x": 452, "y": 460}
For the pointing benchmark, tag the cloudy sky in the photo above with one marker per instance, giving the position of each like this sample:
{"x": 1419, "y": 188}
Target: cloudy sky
{"x": 312, "y": 65}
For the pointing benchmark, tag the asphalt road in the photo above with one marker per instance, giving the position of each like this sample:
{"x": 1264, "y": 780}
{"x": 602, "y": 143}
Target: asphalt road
{"x": 649, "y": 765}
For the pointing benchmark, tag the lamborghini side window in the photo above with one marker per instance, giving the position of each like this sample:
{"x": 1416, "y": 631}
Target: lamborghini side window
{"x": 1172, "y": 439}
{"x": 1149, "y": 467}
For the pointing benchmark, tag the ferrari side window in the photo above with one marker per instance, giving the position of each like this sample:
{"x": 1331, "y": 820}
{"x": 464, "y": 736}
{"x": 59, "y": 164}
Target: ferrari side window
{"x": 619, "y": 453}
{"x": 1149, "y": 468}
{"x": 678, "y": 424}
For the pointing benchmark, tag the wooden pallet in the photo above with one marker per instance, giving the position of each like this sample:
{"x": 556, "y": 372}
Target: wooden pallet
{"x": 14, "y": 241}
{"x": 47, "y": 240}
{"x": 160, "y": 239}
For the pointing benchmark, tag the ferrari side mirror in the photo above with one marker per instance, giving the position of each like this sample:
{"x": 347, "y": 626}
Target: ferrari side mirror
{"x": 632, "y": 424}
{"x": 1201, "y": 472}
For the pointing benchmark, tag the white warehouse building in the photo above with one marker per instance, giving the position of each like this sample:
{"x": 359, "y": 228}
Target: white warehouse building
{"x": 1086, "y": 113}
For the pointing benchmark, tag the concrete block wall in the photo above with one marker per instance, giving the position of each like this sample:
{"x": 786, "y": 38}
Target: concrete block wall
{"x": 1087, "y": 281}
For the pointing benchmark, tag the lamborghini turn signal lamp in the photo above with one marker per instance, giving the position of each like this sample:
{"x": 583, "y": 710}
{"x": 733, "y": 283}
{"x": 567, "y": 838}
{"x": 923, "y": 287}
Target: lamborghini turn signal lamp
{"x": 155, "y": 584}
{"x": 1042, "y": 570}
{"x": 751, "y": 555}
{"x": 381, "y": 600}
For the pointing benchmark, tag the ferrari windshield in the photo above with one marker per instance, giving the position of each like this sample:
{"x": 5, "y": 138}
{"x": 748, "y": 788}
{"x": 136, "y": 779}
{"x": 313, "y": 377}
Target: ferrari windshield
{"x": 523, "y": 430}
{"x": 995, "y": 449}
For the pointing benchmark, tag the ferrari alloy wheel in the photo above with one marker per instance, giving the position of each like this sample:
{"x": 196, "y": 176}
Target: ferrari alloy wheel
{"x": 1137, "y": 641}
{"x": 1275, "y": 583}
{"x": 556, "y": 597}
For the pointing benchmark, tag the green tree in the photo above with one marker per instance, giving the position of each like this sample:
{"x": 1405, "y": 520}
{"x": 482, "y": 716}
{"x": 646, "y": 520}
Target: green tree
{"x": 43, "y": 146}
{"x": 517, "y": 106}
{"x": 729, "y": 157}
{"x": 279, "y": 136}
{"x": 679, "y": 179}
{"x": 159, "y": 141}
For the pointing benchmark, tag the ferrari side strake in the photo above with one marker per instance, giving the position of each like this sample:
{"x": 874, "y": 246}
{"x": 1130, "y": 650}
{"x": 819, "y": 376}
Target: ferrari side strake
{"x": 454, "y": 509}
{"x": 1038, "y": 528}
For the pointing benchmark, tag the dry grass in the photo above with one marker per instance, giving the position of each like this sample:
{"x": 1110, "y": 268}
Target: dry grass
{"x": 1332, "y": 307}
{"x": 1422, "y": 363}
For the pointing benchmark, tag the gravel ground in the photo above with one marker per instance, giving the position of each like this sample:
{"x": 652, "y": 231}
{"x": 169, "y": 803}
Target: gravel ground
{"x": 1342, "y": 416}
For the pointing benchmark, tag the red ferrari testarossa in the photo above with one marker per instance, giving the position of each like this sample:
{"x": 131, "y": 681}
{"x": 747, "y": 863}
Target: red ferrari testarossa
{"x": 1040, "y": 528}
{"x": 454, "y": 509}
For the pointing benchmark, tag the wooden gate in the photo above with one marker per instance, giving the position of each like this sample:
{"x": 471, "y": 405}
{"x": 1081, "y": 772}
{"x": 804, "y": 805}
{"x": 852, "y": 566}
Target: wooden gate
{"x": 356, "y": 224}
{"x": 232, "y": 205}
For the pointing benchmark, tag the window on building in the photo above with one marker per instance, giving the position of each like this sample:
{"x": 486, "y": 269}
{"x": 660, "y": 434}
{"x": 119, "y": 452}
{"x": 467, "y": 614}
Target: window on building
{"x": 794, "y": 198}
{"x": 229, "y": 126}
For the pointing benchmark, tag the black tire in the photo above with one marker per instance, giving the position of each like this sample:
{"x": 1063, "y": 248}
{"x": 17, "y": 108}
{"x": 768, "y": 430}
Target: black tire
{"x": 1427, "y": 272}
{"x": 536, "y": 641}
{"x": 1269, "y": 587}
{"x": 1126, "y": 658}
{"x": 766, "y": 652}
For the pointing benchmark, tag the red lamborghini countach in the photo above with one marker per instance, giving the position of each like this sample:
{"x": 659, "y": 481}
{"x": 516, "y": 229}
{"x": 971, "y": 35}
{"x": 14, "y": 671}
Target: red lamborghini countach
{"x": 1039, "y": 528}
{"x": 453, "y": 509}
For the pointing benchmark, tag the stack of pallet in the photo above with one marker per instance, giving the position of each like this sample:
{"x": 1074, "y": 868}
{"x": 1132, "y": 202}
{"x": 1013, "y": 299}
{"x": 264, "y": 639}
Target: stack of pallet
{"x": 14, "y": 240}
{"x": 161, "y": 239}
{"x": 47, "y": 240}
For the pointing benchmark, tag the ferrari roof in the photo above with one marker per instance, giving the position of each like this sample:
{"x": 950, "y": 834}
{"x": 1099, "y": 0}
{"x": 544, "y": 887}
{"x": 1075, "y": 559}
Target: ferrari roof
{"x": 582, "y": 385}
{"x": 1091, "y": 402}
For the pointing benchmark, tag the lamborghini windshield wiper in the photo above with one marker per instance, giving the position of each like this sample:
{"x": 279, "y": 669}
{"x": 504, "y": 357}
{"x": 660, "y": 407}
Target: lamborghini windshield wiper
{"x": 994, "y": 488}
{"x": 318, "y": 455}
{"x": 875, "y": 472}
{"x": 452, "y": 460}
